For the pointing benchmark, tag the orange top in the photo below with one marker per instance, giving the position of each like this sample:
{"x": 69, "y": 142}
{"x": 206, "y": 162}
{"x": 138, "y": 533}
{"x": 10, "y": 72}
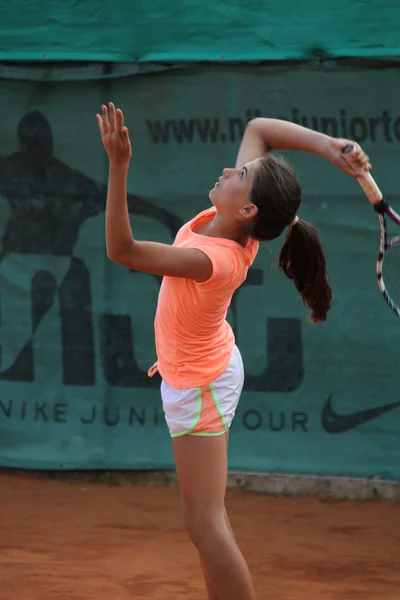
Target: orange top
{"x": 194, "y": 341}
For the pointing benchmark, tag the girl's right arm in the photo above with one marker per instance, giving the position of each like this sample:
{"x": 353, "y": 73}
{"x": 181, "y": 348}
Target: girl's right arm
{"x": 263, "y": 135}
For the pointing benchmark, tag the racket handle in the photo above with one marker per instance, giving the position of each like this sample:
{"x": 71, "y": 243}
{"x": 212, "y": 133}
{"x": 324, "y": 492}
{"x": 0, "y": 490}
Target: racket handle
{"x": 367, "y": 182}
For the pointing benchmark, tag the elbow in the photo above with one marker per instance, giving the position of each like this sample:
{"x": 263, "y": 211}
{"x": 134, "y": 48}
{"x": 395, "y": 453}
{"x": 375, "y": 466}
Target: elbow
{"x": 120, "y": 253}
{"x": 115, "y": 253}
{"x": 255, "y": 124}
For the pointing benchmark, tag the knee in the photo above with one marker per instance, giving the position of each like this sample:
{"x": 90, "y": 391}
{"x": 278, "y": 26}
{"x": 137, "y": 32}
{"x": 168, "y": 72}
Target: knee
{"x": 202, "y": 525}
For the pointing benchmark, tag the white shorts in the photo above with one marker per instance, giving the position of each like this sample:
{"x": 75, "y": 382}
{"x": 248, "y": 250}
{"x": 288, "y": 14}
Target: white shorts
{"x": 207, "y": 410}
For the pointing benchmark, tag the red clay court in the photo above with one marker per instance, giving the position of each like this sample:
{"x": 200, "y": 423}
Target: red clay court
{"x": 64, "y": 540}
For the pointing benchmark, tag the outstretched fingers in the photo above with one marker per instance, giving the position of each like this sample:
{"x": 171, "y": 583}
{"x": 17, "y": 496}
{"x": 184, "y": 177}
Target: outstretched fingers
{"x": 100, "y": 124}
{"x": 123, "y": 131}
{"x": 120, "y": 119}
{"x": 113, "y": 117}
{"x": 104, "y": 118}
{"x": 114, "y": 134}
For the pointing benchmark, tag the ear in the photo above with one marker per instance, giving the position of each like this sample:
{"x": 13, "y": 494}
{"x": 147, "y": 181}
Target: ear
{"x": 249, "y": 211}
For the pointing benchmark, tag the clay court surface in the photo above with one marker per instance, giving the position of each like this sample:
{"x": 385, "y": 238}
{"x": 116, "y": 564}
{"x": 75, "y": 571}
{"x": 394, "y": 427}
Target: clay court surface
{"x": 63, "y": 540}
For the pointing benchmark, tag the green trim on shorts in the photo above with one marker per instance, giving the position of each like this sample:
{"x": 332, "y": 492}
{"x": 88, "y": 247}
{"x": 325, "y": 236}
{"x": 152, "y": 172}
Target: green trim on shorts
{"x": 198, "y": 415}
{"x": 208, "y": 434}
{"x": 219, "y": 409}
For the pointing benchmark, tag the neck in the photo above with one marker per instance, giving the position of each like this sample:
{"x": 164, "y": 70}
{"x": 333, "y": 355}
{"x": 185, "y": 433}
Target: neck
{"x": 228, "y": 228}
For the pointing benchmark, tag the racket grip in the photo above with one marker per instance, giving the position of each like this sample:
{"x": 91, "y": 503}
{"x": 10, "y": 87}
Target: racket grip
{"x": 367, "y": 182}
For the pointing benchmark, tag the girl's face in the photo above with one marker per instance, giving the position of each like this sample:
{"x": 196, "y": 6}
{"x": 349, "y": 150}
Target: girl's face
{"x": 232, "y": 192}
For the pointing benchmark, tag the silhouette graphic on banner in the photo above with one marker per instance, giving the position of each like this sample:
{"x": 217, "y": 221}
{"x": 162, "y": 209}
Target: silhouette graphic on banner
{"x": 49, "y": 202}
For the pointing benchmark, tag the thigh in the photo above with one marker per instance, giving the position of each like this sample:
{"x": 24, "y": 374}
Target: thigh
{"x": 201, "y": 465}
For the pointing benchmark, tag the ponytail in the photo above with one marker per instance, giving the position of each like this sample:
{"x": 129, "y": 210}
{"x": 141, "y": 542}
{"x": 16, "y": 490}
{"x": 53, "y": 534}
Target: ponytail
{"x": 302, "y": 259}
{"x": 276, "y": 193}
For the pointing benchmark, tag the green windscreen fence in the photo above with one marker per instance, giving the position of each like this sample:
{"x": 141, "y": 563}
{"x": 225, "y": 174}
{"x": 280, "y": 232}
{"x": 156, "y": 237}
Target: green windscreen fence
{"x": 197, "y": 30}
{"x": 77, "y": 330}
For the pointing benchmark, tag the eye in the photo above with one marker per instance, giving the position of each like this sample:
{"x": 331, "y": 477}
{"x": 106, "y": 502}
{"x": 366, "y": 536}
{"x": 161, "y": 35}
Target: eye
{"x": 241, "y": 174}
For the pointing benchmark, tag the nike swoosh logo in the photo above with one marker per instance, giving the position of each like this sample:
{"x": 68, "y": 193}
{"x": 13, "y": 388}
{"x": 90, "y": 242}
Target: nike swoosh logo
{"x": 332, "y": 422}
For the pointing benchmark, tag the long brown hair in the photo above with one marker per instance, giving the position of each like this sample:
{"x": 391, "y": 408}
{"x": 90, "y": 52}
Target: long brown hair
{"x": 277, "y": 194}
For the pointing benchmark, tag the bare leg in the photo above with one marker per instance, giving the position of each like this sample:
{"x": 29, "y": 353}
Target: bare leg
{"x": 201, "y": 465}
{"x": 212, "y": 595}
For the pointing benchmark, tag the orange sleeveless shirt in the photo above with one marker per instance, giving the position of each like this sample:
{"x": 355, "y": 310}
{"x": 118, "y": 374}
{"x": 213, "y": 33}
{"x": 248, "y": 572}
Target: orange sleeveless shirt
{"x": 193, "y": 339}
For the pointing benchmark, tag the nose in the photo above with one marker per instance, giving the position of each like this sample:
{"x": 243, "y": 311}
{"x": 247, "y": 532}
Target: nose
{"x": 227, "y": 173}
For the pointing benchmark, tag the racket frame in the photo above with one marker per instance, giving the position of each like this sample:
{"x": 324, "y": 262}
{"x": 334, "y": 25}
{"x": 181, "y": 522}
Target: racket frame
{"x": 382, "y": 208}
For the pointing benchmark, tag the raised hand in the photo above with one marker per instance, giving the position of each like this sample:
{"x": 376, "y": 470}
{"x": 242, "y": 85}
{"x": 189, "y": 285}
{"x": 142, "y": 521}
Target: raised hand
{"x": 114, "y": 135}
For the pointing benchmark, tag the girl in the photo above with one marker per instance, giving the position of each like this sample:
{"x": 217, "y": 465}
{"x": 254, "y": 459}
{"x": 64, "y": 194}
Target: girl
{"x": 200, "y": 365}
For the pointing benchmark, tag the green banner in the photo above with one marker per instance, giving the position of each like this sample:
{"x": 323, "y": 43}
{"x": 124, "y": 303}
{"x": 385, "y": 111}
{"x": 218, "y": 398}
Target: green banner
{"x": 197, "y": 30}
{"x": 77, "y": 330}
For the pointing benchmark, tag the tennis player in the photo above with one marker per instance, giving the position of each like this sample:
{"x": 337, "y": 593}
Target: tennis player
{"x": 200, "y": 365}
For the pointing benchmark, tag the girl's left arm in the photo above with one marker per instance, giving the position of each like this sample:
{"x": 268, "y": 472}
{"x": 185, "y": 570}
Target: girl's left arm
{"x": 122, "y": 248}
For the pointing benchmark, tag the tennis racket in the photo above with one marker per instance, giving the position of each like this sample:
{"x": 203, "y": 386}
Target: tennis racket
{"x": 388, "y": 263}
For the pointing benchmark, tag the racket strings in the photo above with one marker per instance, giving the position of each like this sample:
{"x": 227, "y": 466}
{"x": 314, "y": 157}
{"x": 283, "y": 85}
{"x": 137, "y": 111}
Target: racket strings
{"x": 391, "y": 273}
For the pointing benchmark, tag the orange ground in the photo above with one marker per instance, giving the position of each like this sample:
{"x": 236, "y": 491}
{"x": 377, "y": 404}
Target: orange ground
{"x": 78, "y": 541}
